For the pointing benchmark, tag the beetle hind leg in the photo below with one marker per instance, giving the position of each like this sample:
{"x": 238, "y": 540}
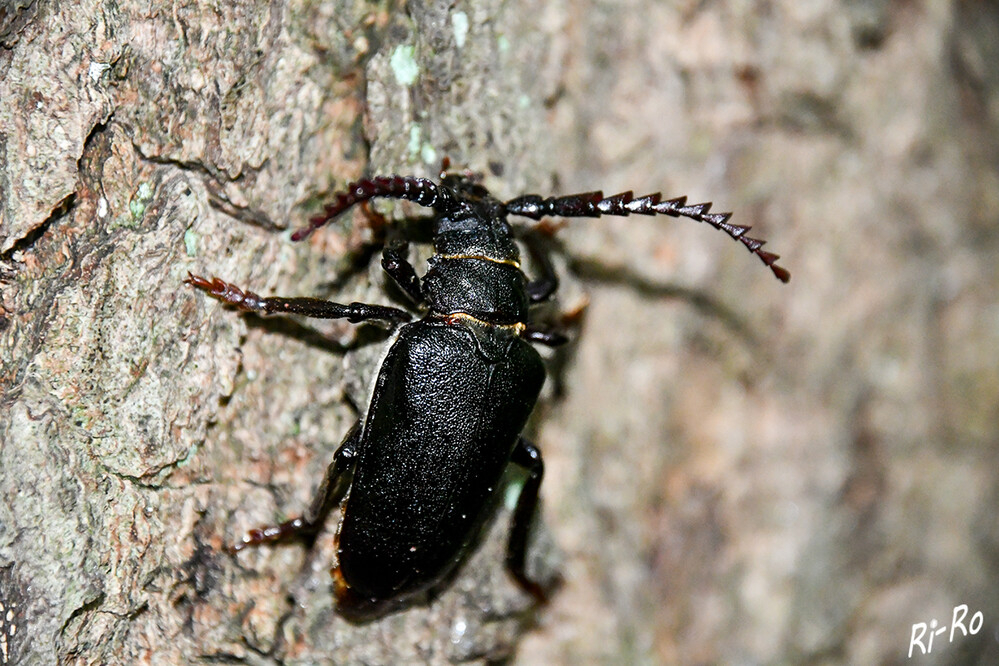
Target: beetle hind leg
{"x": 331, "y": 490}
{"x": 526, "y": 455}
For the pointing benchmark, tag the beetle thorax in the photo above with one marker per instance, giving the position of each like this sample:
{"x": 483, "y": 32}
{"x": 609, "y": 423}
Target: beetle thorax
{"x": 476, "y": 229}
{"x": 476, "y": 268}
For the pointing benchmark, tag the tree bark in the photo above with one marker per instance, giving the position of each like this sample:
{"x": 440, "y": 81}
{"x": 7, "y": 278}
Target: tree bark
{"x": 736, "y": 471}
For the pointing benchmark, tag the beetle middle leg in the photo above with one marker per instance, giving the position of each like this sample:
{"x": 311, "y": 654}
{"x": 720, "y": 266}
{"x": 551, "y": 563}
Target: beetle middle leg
{"x": 545, "y": 336}
{"x": 331, "y": 490}
{"x": 308, "y": 307}
{"x": 527, "y": 455}
{"x": 542, "y": 287}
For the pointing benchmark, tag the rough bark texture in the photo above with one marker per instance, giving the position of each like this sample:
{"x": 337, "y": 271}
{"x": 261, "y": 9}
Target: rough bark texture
{"x": 737, "y": 471}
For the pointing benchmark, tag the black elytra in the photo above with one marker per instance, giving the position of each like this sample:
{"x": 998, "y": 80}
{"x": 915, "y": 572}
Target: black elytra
{"x": 415, "y": 477}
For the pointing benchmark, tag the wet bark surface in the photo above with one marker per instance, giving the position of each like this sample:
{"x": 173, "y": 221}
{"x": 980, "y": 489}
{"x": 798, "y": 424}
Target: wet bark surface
{"x": 736, "y": 470}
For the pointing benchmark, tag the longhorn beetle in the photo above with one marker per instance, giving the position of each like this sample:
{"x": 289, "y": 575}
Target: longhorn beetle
{"x": 414, "y": 477}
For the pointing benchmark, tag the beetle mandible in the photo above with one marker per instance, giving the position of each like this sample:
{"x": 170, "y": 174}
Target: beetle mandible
{"x": 415, "y": 476}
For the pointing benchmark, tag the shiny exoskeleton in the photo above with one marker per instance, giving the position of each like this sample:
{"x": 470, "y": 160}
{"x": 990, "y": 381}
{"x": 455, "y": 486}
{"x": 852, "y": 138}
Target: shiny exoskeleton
{"x": 416, "y": 475}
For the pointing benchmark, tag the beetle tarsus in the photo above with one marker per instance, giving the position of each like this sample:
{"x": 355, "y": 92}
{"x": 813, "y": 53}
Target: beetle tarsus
{"x": 260, "y": 535}
{"x": 227, "y": 293}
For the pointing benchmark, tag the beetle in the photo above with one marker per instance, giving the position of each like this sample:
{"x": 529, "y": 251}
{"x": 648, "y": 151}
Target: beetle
{"x": 415, "y": 476}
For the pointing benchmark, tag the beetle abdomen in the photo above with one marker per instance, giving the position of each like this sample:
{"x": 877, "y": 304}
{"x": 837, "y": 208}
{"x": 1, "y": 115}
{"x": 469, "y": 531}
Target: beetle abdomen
{"x": 438, "y": 435}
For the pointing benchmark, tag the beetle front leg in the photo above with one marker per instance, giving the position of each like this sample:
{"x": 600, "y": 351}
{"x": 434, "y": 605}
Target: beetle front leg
{"x": 331, "y": 490}
{"x": 396, "y": 264}
{"x": 308, "y": 307}
{"x": 526, "y": 455}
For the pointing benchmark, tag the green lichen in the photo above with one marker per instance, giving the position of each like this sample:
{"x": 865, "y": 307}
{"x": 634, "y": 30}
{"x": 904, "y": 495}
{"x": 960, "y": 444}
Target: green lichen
{"x": 191, "y": 239}
{"x": 414, "y": 140}
{"x": 417, "y": 147}
{"x": 428, "y": 154}
{"x": 137, "y": 205}
{"x": 404, "y": 65}
{"x": 459, "y": 24}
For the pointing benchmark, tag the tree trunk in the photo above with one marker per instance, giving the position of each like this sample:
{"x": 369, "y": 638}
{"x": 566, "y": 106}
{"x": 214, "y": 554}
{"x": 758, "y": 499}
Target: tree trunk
{"x": 736, "y": 471}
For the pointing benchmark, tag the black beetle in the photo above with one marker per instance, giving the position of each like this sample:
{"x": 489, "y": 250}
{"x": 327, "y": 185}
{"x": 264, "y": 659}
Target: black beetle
{"x": 420, "y": 469}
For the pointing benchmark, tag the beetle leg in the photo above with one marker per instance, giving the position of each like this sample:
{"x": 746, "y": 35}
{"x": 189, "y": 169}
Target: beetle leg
{"x": 331, "y": 490}
{"x": 595, "y": 204}
{"x": 308, "y": 307}
{"x": 544, "y": 336}
{"x": 543, "y": 286}
{"x": 526, "y": 455}
{"x": 396, "y": 264}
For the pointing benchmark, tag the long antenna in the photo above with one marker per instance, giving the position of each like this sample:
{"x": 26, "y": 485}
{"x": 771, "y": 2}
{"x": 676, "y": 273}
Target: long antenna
{"x": 595, "y": 204}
